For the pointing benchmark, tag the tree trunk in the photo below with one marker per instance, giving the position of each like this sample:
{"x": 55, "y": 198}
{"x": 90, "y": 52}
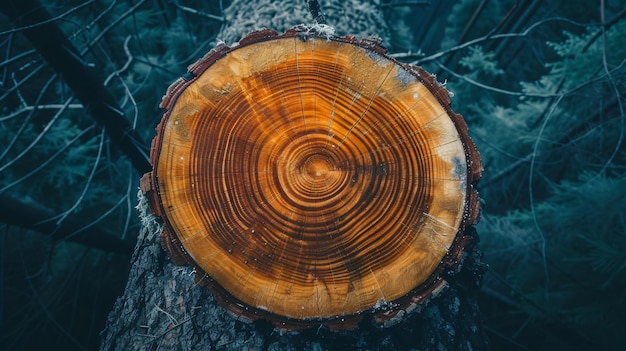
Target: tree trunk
{"x": 163, "y": 308}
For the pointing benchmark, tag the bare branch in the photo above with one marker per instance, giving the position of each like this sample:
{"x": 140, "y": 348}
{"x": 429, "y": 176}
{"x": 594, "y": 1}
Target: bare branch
{"x": 31, "y": 215}
{"x": 64, "y": 57}
{"x": 490, "y": 37}
{"x": 39, "y": 108}
{"x": 198, "y": 12}
{"x": 46, "y": 21}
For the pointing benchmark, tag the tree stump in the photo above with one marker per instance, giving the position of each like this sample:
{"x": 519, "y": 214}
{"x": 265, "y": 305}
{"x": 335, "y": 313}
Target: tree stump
{"x": 312, "y": 183}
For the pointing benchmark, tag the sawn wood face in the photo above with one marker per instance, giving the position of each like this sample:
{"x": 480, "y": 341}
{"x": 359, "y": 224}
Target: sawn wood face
{"x": 310, "y": 179}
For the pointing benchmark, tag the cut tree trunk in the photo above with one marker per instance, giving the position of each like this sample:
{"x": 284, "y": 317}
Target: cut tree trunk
{"x": 164, "y": 308}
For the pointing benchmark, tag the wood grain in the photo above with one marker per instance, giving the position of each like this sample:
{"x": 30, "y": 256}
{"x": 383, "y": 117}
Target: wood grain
{"x": 310, "y": 179}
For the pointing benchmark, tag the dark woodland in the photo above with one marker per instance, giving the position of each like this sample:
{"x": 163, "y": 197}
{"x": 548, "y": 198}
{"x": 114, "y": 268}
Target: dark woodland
{"x": 541, "y": 85}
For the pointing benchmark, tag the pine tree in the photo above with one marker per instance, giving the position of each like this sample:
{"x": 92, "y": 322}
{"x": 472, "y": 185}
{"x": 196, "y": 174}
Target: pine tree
{"x": 553, "y": 190}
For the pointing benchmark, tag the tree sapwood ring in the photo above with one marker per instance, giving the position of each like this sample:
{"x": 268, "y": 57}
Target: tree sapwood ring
{"x": 311, "y": 178}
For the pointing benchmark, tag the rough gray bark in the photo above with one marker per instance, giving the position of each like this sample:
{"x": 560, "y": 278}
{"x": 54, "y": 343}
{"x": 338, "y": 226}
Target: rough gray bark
{"x": 349, "y": 17}
{"x": 163, "y": 309}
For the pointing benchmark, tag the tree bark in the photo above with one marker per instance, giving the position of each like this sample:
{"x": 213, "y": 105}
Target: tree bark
{"x": 163, "y": 308}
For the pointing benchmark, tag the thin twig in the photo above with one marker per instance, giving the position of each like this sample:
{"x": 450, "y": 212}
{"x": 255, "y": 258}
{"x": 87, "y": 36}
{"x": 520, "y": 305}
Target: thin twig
{"x": 198, "y": 12}
{"x": 490, "y": 37}
{"x": 38, "y": 108}
{"x": 48, "y": 160}
{"x": 38, "y": 138}
{"x": 490, "y": 88}
{"x": 53, "y": 19}
{"x": 607, "y": 71}
{"x": 87, "y": 185}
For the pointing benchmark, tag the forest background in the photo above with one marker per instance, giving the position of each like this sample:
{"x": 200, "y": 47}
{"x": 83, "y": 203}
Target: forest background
{"x": 540, "y": 83}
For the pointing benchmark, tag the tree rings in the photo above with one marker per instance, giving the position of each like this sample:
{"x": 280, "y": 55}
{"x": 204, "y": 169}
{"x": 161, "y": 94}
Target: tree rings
{"x": 310, "y": 179}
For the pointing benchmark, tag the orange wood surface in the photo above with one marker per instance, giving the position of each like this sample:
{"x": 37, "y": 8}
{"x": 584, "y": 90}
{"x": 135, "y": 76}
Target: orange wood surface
{"x": 314, "y": 178}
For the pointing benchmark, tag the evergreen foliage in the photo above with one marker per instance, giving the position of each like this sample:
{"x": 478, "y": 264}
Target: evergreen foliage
{"x": 553, "y": 227}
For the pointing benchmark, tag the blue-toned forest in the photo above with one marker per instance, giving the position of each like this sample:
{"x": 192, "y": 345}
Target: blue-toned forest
{"x": 540, "y": 84}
